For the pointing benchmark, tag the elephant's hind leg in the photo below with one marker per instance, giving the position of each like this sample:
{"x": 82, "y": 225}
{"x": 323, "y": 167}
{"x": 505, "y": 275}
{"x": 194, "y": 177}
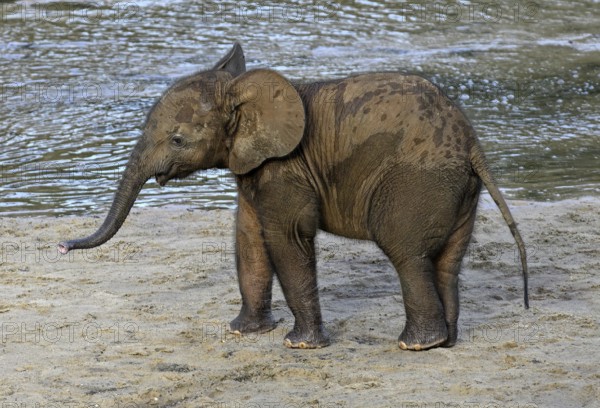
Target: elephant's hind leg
{"x": 447, "y": 267}
{"x": 409, "y": 223}
{"x": 425, "y": 325}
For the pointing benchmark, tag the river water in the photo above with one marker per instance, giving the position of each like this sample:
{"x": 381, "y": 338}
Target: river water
{"x": 77, "y": 79}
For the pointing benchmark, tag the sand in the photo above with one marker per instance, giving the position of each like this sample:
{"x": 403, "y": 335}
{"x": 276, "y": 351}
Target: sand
{"x": 142, "y": 321}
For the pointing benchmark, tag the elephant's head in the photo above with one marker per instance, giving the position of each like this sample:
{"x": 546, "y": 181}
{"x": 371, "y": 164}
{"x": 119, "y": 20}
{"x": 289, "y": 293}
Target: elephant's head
{"x": 224, "y": 117}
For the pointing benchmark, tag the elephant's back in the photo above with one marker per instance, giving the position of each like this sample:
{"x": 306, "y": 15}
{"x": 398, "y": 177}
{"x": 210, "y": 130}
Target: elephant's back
{"x": 392, "y": 114}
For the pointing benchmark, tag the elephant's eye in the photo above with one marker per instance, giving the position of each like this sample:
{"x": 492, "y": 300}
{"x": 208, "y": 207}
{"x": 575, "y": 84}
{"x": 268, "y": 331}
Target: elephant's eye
{"x": 177, "y": 140}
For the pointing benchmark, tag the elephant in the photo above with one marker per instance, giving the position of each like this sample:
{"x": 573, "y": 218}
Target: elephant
{"x": 382, "y": 156}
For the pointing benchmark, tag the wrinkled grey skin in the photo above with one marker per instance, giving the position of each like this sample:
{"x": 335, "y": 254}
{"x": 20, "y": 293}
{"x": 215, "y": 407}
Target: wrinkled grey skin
{"x": 383, "y": 157}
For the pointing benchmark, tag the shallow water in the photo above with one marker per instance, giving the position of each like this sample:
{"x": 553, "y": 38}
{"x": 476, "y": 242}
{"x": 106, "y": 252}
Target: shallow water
{"x": 76, "y": 83}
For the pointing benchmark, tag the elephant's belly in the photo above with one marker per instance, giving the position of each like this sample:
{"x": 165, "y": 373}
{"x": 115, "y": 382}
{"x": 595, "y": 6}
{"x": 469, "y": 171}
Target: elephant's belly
{"x": 347, "y": 231}
{"x": 348, "y": 220}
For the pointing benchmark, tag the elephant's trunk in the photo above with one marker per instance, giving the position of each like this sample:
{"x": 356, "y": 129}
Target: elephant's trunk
{"x": 130, "y": 185}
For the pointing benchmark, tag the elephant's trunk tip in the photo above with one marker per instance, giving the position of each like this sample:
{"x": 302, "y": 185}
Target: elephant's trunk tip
{"x": 64, "y": 247}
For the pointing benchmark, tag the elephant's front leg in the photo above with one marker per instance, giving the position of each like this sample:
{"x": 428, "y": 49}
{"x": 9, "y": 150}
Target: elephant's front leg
{"x": 291, "y": 249}
{"x": 255, "y": 274}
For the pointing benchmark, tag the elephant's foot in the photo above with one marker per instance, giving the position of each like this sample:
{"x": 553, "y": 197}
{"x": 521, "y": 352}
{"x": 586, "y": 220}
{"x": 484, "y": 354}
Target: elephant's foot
{"x": 306, "y": 339}
{"x": 422, "y": 338}
{"x": 452, "y": 335}
{"x": 244, "y": 324}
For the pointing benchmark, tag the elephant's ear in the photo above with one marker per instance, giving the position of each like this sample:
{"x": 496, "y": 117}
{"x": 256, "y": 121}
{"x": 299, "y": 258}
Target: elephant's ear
{"x": 234, "y": 62}
{"x": 267, "y": 119}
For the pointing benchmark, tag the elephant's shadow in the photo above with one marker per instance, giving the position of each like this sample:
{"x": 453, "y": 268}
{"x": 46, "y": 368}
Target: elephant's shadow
{"x": 358, "y": 285}
{"x": 352, "y": 269}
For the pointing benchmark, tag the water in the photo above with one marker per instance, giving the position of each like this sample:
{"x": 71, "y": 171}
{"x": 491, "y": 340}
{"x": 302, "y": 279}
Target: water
{"x": 76, "y": 82}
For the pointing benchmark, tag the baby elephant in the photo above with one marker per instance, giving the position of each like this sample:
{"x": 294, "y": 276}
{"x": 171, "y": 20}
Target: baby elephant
{"x": 385, "y": 157}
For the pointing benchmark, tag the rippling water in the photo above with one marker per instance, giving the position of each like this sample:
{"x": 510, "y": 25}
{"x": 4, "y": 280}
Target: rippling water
{"x": 76, "y": 82}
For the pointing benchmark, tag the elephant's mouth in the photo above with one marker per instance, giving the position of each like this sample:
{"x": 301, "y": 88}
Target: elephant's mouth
{"x": 162, "y": 178}
{"x": 173, "y": 173}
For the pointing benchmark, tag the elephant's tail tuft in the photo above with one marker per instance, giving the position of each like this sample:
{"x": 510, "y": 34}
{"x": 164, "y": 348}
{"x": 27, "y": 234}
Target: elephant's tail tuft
{"x": 480, "y": 167}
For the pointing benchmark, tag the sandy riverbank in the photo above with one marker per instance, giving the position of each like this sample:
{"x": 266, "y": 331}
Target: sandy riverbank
{"x": 142, "y": 321}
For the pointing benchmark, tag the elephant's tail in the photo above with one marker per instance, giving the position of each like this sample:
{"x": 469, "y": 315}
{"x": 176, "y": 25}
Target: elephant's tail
{"x": 479, "y": 165}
